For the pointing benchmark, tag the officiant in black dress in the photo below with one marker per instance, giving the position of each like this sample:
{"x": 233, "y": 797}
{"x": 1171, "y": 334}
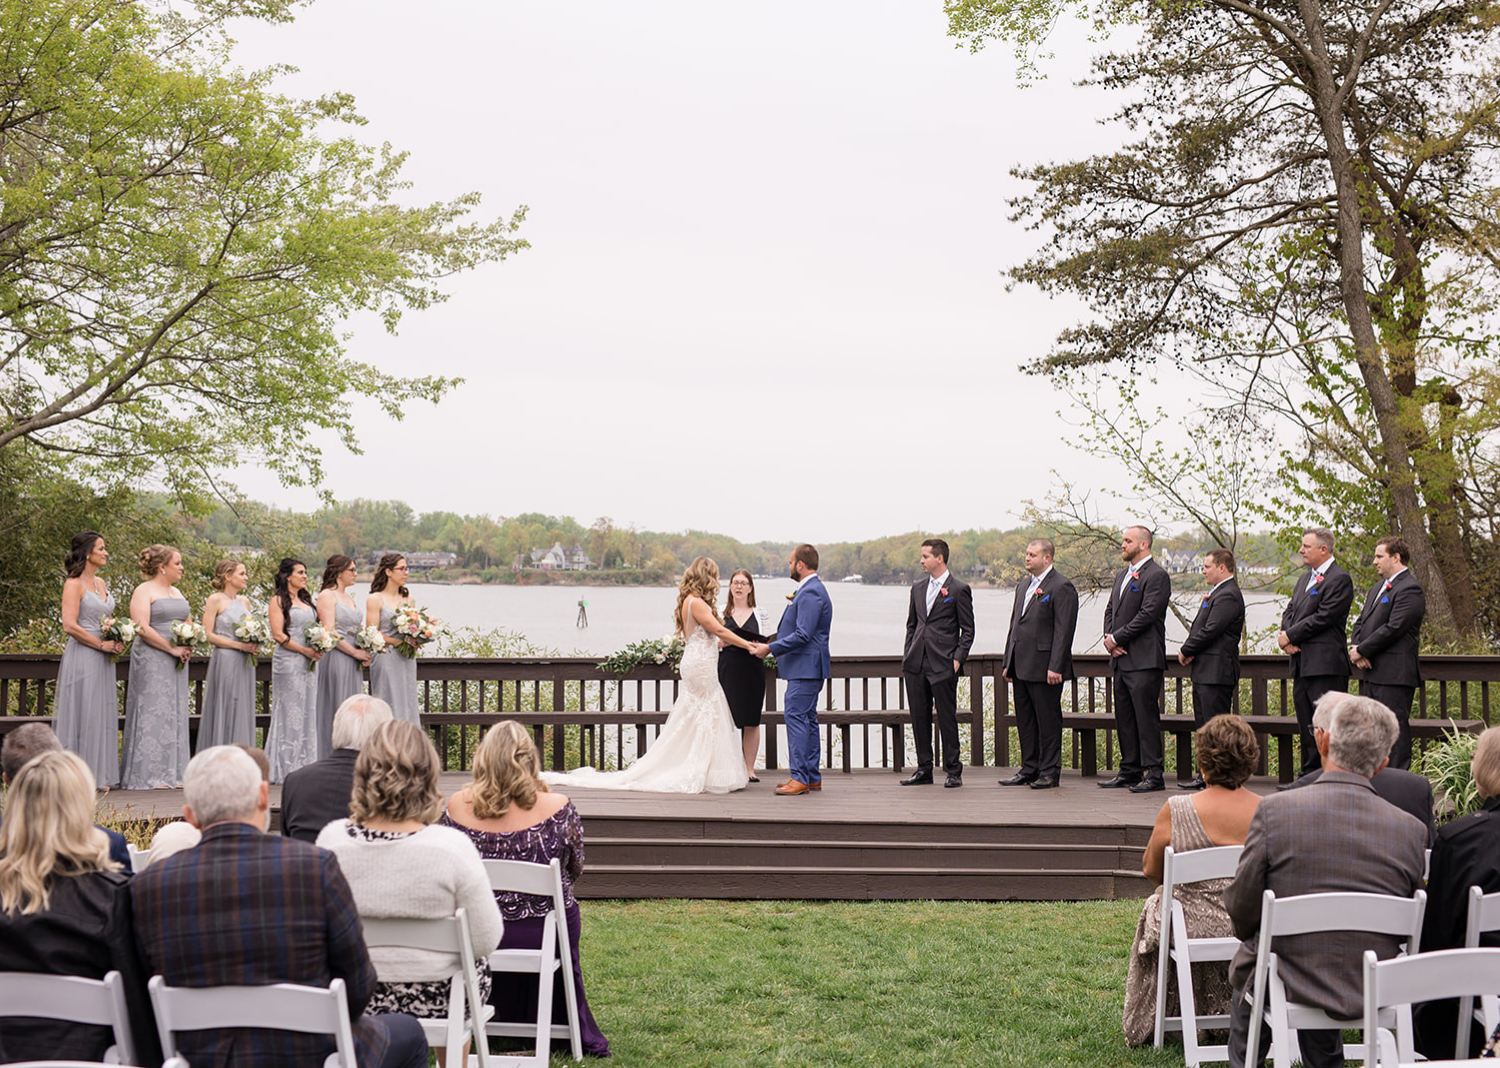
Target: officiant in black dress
{"x": 742, "y": 676}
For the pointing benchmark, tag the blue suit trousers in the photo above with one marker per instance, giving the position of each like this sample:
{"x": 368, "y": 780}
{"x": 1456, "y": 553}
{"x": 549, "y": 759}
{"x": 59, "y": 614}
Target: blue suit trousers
{"x": 802, "y": 729}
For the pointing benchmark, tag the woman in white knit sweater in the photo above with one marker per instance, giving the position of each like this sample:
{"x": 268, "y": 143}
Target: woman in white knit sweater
{"x": 399, "y": 865}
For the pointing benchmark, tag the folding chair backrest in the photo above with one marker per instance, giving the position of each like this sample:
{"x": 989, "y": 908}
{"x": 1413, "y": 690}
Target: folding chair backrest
{"x": 73, "y": 999}
{"x": 277, "y": 1007}
{"x": 139, "y": 858}
{"x": 1484, "y": 915}
{"x": 1196, "y": 865}
{"x": 1426, "y": 977}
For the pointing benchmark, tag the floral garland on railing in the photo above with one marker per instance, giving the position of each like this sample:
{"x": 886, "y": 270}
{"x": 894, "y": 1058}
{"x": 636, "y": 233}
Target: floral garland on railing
{"x": 666, "y": 650}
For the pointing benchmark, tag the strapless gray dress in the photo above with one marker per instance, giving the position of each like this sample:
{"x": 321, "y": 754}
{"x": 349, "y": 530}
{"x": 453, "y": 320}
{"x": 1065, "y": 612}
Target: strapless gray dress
{"x": 393, "y": 676}
{"x": 229, "y": 693}
{"x": 339, "y": 675}
{"x": 292, "y": 741}
{"x": 156, "y": 707}
{"x": 87, "y": 709}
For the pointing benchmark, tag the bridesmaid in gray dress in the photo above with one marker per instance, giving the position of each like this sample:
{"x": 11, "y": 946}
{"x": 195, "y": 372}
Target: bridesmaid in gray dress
{"x": 229, "y": 693}
{"x": 393, "y": 675}
{"x": 340, "y": 673}
{"x": 156, "y": 702}
{"x": 292, "y": 741}
{"x": 86, "y": 712}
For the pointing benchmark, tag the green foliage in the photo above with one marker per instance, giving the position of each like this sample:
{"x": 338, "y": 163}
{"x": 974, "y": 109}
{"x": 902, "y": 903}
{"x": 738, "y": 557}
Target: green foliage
{"x": 1448, "y": 766}
{"x": 666, "y": 651}
{"x": 181, "y": 246}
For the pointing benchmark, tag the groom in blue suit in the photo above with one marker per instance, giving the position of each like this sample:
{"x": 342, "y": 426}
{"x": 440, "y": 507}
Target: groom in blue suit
{"x": 801, "y": 651}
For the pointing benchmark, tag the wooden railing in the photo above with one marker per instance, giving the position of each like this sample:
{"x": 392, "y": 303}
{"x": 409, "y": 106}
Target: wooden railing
{"x": 579, "y": 715}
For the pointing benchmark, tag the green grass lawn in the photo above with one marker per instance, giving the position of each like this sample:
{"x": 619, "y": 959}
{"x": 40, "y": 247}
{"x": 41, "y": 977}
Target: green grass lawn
{"x": 862, "y": 983}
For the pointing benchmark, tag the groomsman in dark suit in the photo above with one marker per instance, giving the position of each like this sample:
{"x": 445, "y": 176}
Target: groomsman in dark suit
{"x": 1312, "y": 634}
{"x": 1385, "y": 638}
{"x": 1038, "y": 659}
{"x": 939, "y": 633}
{"x": 1212, "y": 647}
{"x": 1135, "y": 635}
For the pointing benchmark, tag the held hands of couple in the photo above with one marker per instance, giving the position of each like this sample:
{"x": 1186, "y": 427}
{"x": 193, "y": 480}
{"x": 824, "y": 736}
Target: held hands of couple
{"x": 760, "y": 649}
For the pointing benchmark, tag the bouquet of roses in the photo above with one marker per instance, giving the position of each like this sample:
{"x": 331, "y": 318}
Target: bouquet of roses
{"x": 371, "y": 640}
{"x": 320, "y": 638}
{"x": 416, "y": 628}
{"x": 189, "y": 632}
{"x": 256, "y": 630}
{"x": 120, "y": 629}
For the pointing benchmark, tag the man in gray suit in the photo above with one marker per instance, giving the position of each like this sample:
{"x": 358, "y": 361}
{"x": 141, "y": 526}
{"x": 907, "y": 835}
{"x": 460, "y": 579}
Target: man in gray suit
{"x": 1386, "y": 637}
{"x": 1333, "y": 835}
{"x": 1038, "y": 660}
{"x": 1212, "y": 647}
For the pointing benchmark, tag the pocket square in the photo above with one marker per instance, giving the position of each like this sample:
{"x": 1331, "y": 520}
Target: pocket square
{"x": 947, "y": 600}
{"x": 1385, "y": 600}
{"x": 1046, "y": 598}
{"x": 1313, "y": 592}
{"x": 1134, "y": 588}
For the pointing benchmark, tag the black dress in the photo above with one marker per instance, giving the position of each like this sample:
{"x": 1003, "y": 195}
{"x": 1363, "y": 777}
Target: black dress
{"x": 742, "y": 676}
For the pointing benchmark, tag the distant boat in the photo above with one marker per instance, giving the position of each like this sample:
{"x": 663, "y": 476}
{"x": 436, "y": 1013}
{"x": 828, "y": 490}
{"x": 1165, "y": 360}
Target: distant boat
{"x": 852, "y": 578}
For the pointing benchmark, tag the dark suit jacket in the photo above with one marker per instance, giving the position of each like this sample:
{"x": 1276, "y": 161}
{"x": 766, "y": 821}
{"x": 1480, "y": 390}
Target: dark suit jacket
{"x": 1389, "y": 630}
{"x": 86, "y": 930}
{"x": 1138, "y": 618}
{"x": 246, "y": 909}
{"x": 1407, "y": 791}
{"x": 1335, "y": 835}
{"x": 935, "y": 639}
{"x": 801, "y": 645}
{"x": 1213, "y": 640}
{"x": 1315, "y": 622}
{"x": 315, "y": 795}
{"x": 1042, "y": 639}
{"x": 1466, "y": 853}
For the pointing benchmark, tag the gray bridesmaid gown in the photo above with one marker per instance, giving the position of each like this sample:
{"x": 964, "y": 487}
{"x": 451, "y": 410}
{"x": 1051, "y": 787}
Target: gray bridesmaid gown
{"x": 229, "y": 693}
{"x": 87, "y": 709}
{"x": 292, "y": 741}
{"x": 393, "y": 676}
{"x": 339, "y": 675}
{"x": 156, "y": 707}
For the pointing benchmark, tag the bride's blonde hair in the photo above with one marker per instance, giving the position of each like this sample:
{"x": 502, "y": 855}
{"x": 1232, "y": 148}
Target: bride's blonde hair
{"x": 701, "y": 579}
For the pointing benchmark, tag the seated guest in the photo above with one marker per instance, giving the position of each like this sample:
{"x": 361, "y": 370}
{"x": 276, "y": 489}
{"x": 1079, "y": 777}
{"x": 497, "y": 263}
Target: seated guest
{"x": 1466, "y": 853}
{"x": 1407, "y": 791}
{"x": 258, "y": 755}
{"x": 1219, "y": 816}
{"x": 401, "y": 866}
{"x": 171, "y": 839}
{"x": 246, "y": 908}
{"x": 65, "y": 909}
{"x": 1334, "y": 835}
{"x": 27, "y": 741}
{"x": 510, "y": 814}
{"x": 316, "y": 794}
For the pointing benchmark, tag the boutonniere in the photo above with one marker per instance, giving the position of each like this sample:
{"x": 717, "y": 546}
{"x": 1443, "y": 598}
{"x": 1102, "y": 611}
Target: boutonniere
{"x": 1205, "y": 601}
{"x": 1037, "y": 592}
{"x": 791, "y": 595}
{"x": 1318, "y": 579}
{"x": 943, "y": 591}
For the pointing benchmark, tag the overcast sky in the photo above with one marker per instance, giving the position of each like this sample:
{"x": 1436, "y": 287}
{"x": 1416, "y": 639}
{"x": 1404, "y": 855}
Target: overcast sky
{"x": 763, "y": 295}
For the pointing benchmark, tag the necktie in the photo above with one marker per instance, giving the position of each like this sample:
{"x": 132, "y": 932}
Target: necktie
{"x": 1036, "y": 584}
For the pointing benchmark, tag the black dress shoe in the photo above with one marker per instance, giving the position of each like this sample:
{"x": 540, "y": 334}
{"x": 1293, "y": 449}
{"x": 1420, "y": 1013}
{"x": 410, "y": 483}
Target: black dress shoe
{"x": 918, "y": 778}
{"x": 953, "y": 779}
{"x": 1195, "y": 783}
{"x": 1147, "y": 786}
{"x": 1046, "y": 782}
{"x": 1119, "y": 782}
{"x": 1020, "y": 778}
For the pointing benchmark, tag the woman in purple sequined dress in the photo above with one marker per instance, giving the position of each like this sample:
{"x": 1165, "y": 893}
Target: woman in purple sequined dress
{"x": 511, "y": 815}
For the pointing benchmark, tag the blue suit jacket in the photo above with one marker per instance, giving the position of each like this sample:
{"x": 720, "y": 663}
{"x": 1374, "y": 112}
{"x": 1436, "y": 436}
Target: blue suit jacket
{"x": 801, "y": 645}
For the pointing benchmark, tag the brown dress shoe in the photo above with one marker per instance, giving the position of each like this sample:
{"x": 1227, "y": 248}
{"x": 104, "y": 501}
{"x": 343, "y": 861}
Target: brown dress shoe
{"x": 815, "y": 786}
{"x": 792, "y": 787}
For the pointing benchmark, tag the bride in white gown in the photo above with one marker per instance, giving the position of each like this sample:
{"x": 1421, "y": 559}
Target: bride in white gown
{"x": 698, "y": 750}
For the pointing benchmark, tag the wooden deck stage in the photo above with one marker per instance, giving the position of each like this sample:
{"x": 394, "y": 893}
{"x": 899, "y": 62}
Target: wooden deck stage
{"x": 864, "y": 836}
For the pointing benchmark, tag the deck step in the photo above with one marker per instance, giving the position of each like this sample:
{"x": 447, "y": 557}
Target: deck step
{"x": 802, "y": 852}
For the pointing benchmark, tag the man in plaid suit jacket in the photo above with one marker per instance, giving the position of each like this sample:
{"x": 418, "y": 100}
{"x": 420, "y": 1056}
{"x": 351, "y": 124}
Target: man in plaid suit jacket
{"x": 245, "y": 908}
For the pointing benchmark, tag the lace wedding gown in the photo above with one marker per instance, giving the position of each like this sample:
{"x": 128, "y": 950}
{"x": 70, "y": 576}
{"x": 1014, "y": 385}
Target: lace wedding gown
{"x": 698, "y": 750}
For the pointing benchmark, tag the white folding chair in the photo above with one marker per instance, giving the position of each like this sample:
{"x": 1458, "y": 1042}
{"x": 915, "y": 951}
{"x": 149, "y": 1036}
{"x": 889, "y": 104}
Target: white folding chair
{"x": 1314, "y": 914}
{"x": 170, "y": 1062}
{"x": 139, "y": 858}
{"x": 554, "y": 958}
{"x": 277, "y": 1007}
{"x": 74, "y": 999}
{"x": 1424, "y": 977}
{"x": 448, "y": 934}
{"x": 1181, "y": 869}
{"x": 1484, "y": 916}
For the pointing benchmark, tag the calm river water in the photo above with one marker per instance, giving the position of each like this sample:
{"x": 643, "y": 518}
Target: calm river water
{"x": 867, "y": 620}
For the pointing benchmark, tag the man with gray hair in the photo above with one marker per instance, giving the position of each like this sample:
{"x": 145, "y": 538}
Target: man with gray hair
{"x": 246, "y": 908}
{"x": 1333, "y": 835}
{"x": 314, "y": 796}
{"x": 1408, "y": 792}
{"x": 1312, "y": 634}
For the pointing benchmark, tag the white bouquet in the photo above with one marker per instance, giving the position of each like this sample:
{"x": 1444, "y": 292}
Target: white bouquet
{"x": 120, "y": 629}
{"x": 320, "y": 638}
{"x": 257, "y": 631}
{"x": 371, "y": 640}
{"x": 189, "y": 632}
